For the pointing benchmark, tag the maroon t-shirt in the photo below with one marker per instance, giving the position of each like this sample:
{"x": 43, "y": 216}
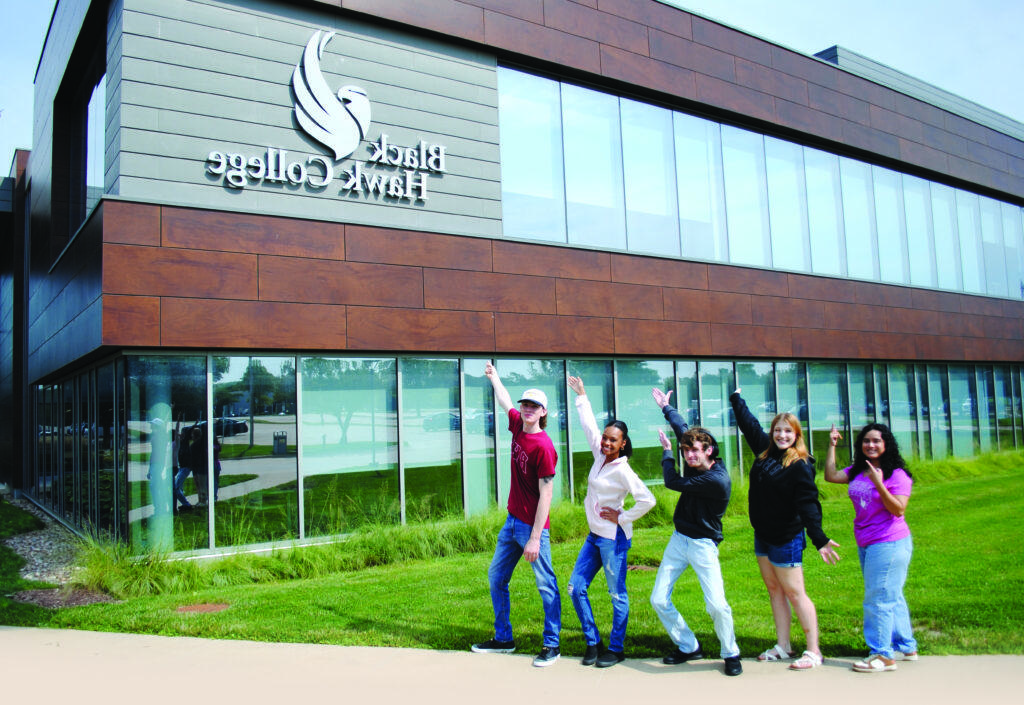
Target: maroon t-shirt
{"x": 533, "y": 457}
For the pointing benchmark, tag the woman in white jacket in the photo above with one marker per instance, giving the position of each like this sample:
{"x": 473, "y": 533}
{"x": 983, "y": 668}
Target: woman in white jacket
{"x": 611, "y": 529}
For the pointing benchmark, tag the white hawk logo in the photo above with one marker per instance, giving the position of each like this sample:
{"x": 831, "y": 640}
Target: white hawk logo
{"x": 338, "y": 122}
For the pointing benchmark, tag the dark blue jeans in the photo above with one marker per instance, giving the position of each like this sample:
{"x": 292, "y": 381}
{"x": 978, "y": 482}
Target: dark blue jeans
{"x": 512, "y": 540}
{"x": 611, "y": 554}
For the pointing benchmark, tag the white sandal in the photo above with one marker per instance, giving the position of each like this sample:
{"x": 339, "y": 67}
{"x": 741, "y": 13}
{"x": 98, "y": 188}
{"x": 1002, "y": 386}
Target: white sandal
{"x": 806, "y": 662}
{"x": 874, "y": 664}
{"x": 776, "y": 653}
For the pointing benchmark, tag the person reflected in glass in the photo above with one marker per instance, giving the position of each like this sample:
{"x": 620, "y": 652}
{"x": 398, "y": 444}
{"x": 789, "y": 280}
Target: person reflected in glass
{"x": 525, "y": 533}
{"x": 704, "y": 490}
{"x": 782, "y": 502}
{"x": 200, "y": 464}
{"x": 183, "y": 462}
{"x": 879, "y": 486}
{"x": 607, "y": 544}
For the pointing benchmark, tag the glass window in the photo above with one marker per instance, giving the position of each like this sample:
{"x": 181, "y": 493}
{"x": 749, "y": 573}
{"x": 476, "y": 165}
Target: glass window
{"x": 862, "y": 402}
{"x": 652, "y": 222}
{"x": 687, "y": 398}
{"x": 1004, "y": 406}
{"x": 95, "y": 149}
{"x": 431, "y": 422}
{"x": 892, "y": 228}
{"x": 349, "y": 443}
{"x": 600, "y": 387}
{"x": 595, "y": 208}
{"x": 859, "y": 219}
{"x": 828, "y": 400}
{"x": 757, "y": 380}
{"x": 924, "y": 422}
{"x": 986, "y": 409}
{"x": 532, "y": 180}
{"x": 963, "y": 410}
{"x": 1018, "y": 420}
{"x": 166, "y": 403}
{"x": 106, "y": 459}
{"x": 993, "y": 247}
{"x": 947, "y": 244}
{"x": 746, "y": 197}
{"x": 787, "y": 205}
{"x": 479, "y": 462}
{"x": 717, "y": 382}
{"x": 792, "y": 384}
{"x": 548, "y": 376}
{"x": 253, "y": 451}
{"x": 939, "y": 411}
{"x": 968, "y": 218}
{"x": 698, "y": 147}
{"x": 918, "y": 211}
{"x": 86, "y": 467}
{"x": 68, "y": 497}
{"x": 1013, "y": 236}
{"x": 825, "y": 212}
{"x": 903, "y": 408}
{"x": 636, "y": 407}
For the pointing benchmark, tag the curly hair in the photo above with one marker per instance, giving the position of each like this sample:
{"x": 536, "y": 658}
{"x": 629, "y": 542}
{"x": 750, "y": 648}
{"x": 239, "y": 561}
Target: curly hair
{"x": 891, "y": 458}
{"x": 696, "y": 434}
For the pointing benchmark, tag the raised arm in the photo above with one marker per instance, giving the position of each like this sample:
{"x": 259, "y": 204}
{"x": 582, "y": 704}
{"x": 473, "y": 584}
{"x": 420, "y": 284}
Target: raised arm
{"x": 750, "y": 427}
{"x": 501, "y": 394}
{"x": 674, "y": 418}
{"x": 587, "y": 420}
{"x": 832, "y": 473}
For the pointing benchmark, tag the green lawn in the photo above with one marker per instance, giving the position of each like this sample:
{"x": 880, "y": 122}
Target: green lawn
{"x": 427, "y": 587}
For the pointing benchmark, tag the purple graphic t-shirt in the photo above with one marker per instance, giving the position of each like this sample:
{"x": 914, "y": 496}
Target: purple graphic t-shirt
{"x": 873, "y": 523}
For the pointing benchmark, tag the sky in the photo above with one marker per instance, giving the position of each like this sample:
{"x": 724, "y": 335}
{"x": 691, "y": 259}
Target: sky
{"x": 971, "y": 49}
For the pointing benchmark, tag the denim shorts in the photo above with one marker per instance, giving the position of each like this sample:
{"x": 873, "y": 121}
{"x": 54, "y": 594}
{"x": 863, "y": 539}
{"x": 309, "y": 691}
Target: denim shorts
{"x": 788, "y": 555}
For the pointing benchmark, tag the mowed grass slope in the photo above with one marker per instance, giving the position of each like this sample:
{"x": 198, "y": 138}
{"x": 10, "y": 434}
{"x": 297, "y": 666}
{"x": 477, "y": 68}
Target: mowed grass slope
{"x": 387, "y": 588}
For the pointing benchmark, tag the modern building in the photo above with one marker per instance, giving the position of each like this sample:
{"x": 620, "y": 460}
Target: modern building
{"x": 293, "y": 233}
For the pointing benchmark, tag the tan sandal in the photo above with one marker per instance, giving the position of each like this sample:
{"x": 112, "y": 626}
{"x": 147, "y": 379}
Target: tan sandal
{"x": 875, "y": 664}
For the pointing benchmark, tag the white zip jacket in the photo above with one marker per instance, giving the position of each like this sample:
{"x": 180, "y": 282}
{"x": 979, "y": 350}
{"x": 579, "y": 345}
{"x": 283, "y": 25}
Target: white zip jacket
{"x": 608, "y": 484}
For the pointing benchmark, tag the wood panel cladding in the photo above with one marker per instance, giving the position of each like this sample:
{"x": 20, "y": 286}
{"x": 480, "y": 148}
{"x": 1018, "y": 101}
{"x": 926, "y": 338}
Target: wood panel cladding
{"x": 414, "y": 292}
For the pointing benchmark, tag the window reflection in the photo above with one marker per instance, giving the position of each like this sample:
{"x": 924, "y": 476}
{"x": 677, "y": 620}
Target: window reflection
{"x": 968, "y": 218}
{"x": 825, "y": 212}
{"x": 859, "y": 219}
{"x": 903, "y": 408}
{"x": 479, "y": 459}
{"x": 599, "y": 385}
{"x": 717, "y": 382}
{"x": 349, "y": 444}
{"x": 829, "y": 405}
{"x": 892, "y": 227}
{"x": 757, "y": 380}
{"x": 250, "y": 469}
{"x": 636, "y": 407}
{"x": 1013, "y": 236}
{"x": 993, "y": 247}
{"x": 698, "y": 146}
{"x": 746, "y": 196}
{"x": 787, "y": 203}
{"x": 947, "y": 245}
{"x": 939, "y": 408}
{"x": 106, "y": 458}
{"x": 595, "y": 208}
{"x": 917, "y": 207}
{"x": 647, "y": 155}
{"x": 532, "y": 185}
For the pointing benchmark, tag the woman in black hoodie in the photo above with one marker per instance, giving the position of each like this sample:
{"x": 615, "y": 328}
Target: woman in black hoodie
{"x": 782, "y": 502}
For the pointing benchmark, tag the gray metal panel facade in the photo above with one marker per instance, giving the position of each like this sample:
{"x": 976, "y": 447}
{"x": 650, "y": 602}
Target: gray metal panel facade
{"x": 197, "y": 76}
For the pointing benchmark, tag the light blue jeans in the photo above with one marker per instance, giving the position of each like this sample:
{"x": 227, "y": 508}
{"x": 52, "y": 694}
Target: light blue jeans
{"x": 887, "y": 625}
{"x": 682, "y": 552}
{"x": 512, "y": 540}
{"x": 611, "y": 554}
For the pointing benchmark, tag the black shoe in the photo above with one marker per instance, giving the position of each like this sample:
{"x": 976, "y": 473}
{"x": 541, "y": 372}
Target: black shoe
{"x": 590, "y": 655}
{"x": 733, "y": 667}
{"x": 547, "y": 656}
{"x": 676, "y": 656}
{"x": 493, "y": 646}
{"x": 610, "y": 658}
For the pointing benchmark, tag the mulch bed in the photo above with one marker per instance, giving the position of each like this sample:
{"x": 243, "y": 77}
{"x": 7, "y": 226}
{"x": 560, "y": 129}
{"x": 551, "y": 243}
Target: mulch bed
{"x": 56, "y": 598}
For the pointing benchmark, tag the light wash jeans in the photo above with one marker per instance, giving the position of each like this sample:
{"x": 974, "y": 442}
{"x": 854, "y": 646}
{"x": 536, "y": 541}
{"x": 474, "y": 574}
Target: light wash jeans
{"x": 512, "y": 540}
{"x": 887, "y": 625}
{"x": 681, "y": 552}
{"x": 611, "y": 554}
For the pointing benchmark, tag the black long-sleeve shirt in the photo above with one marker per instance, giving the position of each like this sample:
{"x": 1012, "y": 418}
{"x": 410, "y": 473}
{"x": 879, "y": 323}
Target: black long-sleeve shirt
{"x": 782, "y": 500}
{"x": 704, "y": 494}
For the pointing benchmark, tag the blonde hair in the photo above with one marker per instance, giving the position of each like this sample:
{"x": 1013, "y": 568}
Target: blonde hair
{"x": 797, "y": 451}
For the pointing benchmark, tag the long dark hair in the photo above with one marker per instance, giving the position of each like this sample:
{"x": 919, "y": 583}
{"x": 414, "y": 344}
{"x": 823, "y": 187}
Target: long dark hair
{"x": 627, "y": 450}
{"x": 891, "y": 458}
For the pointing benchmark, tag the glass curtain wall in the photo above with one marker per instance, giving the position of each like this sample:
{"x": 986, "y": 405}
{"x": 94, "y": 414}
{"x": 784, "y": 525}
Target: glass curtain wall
{"x": 593, "y": 169}
{"x": 124, "y": 449}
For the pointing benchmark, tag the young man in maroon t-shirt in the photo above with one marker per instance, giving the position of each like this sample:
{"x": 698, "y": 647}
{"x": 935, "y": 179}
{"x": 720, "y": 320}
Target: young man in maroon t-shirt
{"x": 525, "y": 532}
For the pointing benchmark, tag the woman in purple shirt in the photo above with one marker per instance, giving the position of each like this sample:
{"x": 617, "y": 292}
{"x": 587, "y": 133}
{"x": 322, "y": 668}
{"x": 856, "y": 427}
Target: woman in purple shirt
{"x": 879, "y": 487}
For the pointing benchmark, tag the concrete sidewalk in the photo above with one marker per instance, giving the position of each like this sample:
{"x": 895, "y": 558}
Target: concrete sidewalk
{"x": 65, "y": 666}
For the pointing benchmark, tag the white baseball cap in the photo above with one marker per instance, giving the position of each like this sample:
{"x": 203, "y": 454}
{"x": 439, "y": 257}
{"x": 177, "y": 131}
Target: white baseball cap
{"x": 536, "y": 396}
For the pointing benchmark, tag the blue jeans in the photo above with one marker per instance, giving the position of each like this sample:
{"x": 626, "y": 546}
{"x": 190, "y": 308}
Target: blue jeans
{"x": 787, "y": 555}
{"x": 179, "y": 481}
{"x": 887, "y": 625}
{"x": 610, "y": 554}
{"x": 512, "y": 540}
{"x": 682, "y": 552}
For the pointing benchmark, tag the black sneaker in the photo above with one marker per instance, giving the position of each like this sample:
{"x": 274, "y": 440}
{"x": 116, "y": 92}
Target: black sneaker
{"x": 590, "y": 655}
{"x": 547, "y": 656}
{"x": 677, "y": 656}
{"x": 610, "y": 658}
{"x": 733, "y": 666}
{"x": 493, "y": 646}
